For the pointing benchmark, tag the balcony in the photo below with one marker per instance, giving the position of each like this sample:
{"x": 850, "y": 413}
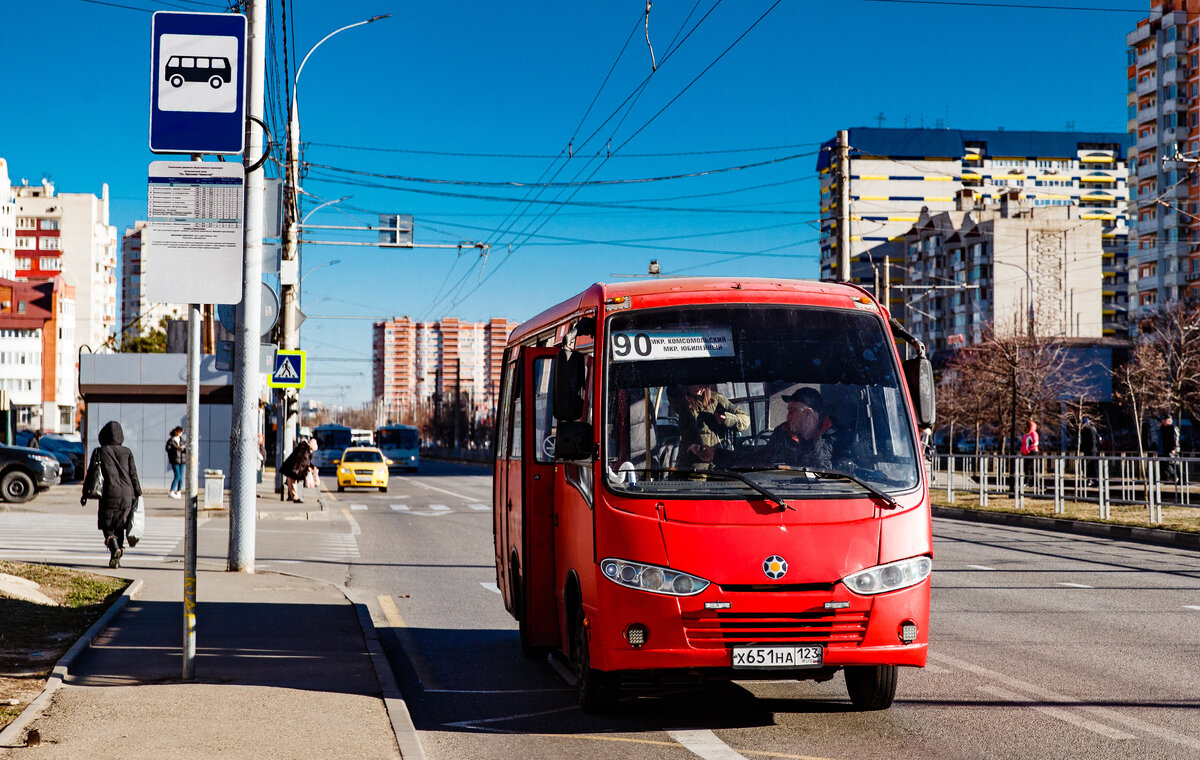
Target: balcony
{"x": 1174, "y": 47}
{"x": 1177, "y": 75}
{"x": 1141, "y": 34}
{"x": 1147, "y": 85}
{"x": 1148, "y": 169}
{"x": 1147, "y": 58}
{"x": 1148, "y": 142}
{"x": 1171, "y": 105}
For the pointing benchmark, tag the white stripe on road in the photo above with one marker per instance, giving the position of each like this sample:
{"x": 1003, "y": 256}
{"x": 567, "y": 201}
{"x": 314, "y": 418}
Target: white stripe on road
{"x": 354, "y": 529}
{"x": 1057, "y": 712}
{"x": 1075, "y": 585}
{"x": 400, "y": 507}
{"x": 480, "y": 507}
{"x": 443, "y": 490}
{"x": 491, "y": 587}
{"x": 980, "y": 567}
{"x": 706, "y": 744}
{"x": 1191, "y": 606}
{"x": 439, "y": 507}
{"x": 359, "y": 507}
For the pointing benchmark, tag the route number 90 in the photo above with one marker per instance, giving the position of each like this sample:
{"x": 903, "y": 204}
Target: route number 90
{"x": 624, "y": 345}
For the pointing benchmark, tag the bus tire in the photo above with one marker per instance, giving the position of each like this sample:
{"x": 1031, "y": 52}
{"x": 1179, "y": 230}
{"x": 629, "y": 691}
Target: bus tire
{"x": 528, "y": 650}
{"x": 215, "y": 83}
{"x": 871, "y": 687}
{"x": 599, "y": 691}
{"x": 177, "y": 81}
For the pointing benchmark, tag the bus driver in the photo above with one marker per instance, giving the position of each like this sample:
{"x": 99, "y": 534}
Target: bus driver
{"x": 801, "y": 440}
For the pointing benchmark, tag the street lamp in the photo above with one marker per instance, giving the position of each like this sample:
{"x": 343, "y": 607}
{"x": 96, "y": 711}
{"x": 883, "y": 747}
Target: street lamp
{"x": 1029, "y": 283}
{"x": 320, "y": 266}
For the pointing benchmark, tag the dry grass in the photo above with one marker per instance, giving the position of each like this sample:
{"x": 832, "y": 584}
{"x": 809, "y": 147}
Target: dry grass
{"x": 1185, "y": 519}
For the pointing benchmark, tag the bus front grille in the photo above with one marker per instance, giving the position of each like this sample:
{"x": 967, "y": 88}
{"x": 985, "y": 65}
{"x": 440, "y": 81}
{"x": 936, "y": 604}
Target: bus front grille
{"x": 725, "y": 629}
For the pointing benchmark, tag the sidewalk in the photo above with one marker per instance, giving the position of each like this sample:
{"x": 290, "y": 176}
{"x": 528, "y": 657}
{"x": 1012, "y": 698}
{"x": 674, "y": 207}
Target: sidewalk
{"x": 286, "y": 667}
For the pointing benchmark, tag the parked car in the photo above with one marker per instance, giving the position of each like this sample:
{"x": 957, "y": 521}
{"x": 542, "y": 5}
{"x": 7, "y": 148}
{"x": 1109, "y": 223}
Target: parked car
{"x": 25, "y": 471}
{"x": 73, "y": 450}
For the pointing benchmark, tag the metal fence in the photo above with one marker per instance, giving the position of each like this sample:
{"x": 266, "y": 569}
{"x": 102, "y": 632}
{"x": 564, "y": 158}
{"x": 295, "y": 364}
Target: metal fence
{"x": 1152, "y": 482}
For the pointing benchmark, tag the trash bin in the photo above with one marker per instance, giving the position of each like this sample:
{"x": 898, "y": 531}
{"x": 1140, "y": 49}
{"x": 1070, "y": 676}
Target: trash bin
{"x": 214, "y": 489}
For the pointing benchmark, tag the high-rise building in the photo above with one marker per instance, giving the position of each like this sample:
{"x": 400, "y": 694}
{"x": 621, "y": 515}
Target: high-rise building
{"x": 892, "y": 174}
{"x": 37, "y": 352}
{"x": 138, "y": 315}
{"x": 1163, "y": 105}
{"x": 1011, "y": 265}
{"x": 68, "y": 234}
{"x": 8, "y": 225}
{"x": 416, "y": 362}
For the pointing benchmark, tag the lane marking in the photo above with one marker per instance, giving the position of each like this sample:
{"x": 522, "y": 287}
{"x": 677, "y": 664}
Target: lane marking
{"x": 1075, "y": 585}
{"x": 1058, "y": 712}
{"x": 443, "y": 490}
{"x": 439, "y": 507}
{"x": 1045, "y": 694}
{"x": 1191, "y": 606}
{"x": 400, "y": 507}
{"x": 981, "y": 567}
{"x": 474, "y": 723}
{"x": 659, "y": 743}
{"x": 354, "y": 529}
{"x": 419, "y": 664}
{"x": 706, "y": 744}
{"x": 359, "y": 507}
{"x": 481, "y": 507}
{"x": 496, "y": 691}
{"x": 490, "y": 587}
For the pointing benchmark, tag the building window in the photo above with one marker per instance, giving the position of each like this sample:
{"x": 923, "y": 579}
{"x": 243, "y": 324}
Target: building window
{"x": 51, "y": 264}
{"x": 24, "y": 262}
{"x": 26, "y": 223}
{"x": 26, "y": 242}
{"x": 49, "y": 224}
{"x": 49, "y": 243}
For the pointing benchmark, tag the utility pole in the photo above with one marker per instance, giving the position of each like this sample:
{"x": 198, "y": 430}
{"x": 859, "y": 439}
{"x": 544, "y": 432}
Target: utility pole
{"x": 243, "y": 513}
{"x": 842, "y": 174}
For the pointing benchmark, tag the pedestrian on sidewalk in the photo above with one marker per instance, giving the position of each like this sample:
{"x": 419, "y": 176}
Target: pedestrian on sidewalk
{"x": 1168, "y": 445}
{"x": 118, "y": 489}
{"x": 296, "y": 468}
{"x": 1089, "y": 446}
{"x": 1029, "y": 448}
{"x": 177, "y": 457}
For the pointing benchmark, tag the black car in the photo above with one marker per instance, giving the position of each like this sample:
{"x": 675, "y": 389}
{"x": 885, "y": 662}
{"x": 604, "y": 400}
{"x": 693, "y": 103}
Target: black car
{"x": 65, "y": 448}
{"x": 25, "y": 471}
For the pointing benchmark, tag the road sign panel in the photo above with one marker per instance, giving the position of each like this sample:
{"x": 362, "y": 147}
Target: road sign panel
{"x": 197, "y": 82}
{"x": 289, "y": 371}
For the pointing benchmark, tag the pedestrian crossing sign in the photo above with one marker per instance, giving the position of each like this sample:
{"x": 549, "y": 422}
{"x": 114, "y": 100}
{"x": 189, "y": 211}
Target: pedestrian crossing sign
{"x": 288, "y": 371}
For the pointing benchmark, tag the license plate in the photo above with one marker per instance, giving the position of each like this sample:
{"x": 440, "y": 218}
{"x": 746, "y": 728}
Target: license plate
{"x": 364, "y": 478}
{"x": 778, "y": 657}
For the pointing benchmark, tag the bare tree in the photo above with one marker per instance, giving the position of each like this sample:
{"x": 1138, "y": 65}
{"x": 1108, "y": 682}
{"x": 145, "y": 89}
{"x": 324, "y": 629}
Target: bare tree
{"x": 1140, "y": 386}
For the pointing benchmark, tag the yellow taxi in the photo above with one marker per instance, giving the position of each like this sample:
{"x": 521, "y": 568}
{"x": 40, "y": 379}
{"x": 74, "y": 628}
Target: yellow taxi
{"x": 362, "y": 466}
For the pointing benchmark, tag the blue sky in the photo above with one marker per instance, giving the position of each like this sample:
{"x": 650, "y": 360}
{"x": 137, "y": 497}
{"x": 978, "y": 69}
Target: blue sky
{"x": 506, "y": 86}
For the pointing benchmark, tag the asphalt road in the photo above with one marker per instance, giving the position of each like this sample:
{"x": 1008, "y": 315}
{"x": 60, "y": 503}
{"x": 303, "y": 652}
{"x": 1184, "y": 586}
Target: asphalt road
{"x": 1042, "y": 646}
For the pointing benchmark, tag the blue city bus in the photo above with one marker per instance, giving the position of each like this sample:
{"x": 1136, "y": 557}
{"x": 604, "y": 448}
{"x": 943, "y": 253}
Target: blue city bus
{"x": 332, "y": 440}
{"x": 400, "y": 444}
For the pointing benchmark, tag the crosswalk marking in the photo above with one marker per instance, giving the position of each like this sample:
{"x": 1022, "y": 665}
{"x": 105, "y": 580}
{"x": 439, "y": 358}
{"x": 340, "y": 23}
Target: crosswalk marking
{"x": 359, "y": 507}
{"x": 400, "y": 507}
{"x": 74, "y": 538}
{"x": 480, "y": 507}
{"x": 439, "y": 507}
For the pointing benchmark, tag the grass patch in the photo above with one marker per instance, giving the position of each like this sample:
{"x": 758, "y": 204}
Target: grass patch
{"x": 1183, "y": 519}
{"x": 33, "y": 636}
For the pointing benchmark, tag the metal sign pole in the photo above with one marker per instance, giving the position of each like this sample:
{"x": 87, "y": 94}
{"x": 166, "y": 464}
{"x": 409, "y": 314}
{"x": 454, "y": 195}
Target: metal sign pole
{"x": 193, "y": 491}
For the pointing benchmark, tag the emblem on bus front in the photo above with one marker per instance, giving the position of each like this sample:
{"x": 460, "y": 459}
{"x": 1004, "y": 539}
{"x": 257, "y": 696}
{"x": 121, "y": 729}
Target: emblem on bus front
{"x": 775, "y": 567}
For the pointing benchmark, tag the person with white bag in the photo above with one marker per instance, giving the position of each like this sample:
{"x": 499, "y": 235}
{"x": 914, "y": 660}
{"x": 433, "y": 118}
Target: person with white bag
{"x": 112, "y": 479}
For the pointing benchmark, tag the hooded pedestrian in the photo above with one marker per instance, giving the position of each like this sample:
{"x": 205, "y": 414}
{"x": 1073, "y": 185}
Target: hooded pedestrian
{"x": 296, "y": 468}
{"x": 119, "y": 489}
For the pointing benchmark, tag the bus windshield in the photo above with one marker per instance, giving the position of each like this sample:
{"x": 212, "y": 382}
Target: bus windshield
{"x": 803, "y": 401}
{"x": 332, "y": 438}
{"x": 396, "y": 438}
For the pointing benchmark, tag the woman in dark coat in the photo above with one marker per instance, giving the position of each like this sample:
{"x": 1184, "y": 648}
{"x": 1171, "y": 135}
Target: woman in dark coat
{"x": 295, "y": 468}
{"x": 121, "y": 488}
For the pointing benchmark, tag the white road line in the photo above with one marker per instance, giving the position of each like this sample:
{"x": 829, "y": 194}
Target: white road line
{"x": 706, "y": 744}
{"x": 474, "y": 723}
{"x": 359, "y": 507}
{"x": 481, "y": 507}
{"x": 490, "y": 587}
{"x": 354, "y": 529}
{"x": 443, "y": 490}
{"x": 1045, "y": 694}
{"x": 400, "y": 507}
{"x": 1191, "y": 606}
{"x": 1057, "y": 712}
{"x": 439, "y": 507}
{"x": 980, "y": 567}
{"x": 495, "y": 691}
{"x": 1075, "y": 585}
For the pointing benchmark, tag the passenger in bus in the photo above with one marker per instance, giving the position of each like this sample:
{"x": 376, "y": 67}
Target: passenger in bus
{"x": 804, "y": 439}
{"x": 705, "y": 416}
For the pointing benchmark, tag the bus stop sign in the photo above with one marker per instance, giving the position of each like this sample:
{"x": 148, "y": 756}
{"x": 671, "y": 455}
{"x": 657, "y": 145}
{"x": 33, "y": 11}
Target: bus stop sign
{"x": 197, "y": 82}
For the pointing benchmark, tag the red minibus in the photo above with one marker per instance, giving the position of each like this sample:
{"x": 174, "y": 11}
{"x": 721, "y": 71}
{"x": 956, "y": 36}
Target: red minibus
{"x": 716, "y": 478}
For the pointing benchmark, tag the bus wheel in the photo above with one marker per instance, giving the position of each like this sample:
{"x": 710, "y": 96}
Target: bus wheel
{"x": 528, "y": 650}
{"x": 599, "y": 691}
{"x": 177, "y": 81}
{"x": 215, "y": 83}
{"x": 871, "y": 687}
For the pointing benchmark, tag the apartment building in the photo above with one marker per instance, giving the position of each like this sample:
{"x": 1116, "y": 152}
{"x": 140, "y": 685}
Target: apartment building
{"x": 1163, "y": 106}
{"x": 68, "y": 234}
{"x": 37, "y": 352}
{"x": 1008, "y": 264}
{"x": 139, "y": 316}
{"x": 416, "y": 362}
{"x": 8, "y": 225}
{"x": 892, "y": 174}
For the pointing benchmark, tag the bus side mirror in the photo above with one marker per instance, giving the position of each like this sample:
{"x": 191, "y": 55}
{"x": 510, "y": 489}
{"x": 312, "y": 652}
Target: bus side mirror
{"x": 568, "y": 381}
{"x": 919, "y": 374}
{"x": 573, "y": 441}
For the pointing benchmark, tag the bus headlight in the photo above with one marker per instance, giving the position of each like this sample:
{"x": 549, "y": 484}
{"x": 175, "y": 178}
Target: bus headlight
{"x": 657, "y": 580}
{"x": 889, "y": 577}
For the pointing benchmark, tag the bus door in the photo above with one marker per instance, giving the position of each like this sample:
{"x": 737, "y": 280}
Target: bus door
{"x": 530, "y": 500}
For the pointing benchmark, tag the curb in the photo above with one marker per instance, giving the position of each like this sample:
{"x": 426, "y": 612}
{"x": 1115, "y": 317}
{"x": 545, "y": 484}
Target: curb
{"x": 8, "y": 737}
{"x": 1156, "y": 536}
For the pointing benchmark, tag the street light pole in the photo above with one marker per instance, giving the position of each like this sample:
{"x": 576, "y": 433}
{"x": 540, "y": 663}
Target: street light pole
{"x": 289, "y": 279}
{"x": 1029, "y": 296}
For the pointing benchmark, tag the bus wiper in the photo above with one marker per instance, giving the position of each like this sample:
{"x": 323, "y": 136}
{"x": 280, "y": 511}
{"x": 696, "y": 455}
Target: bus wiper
{"x": 771, "y": 496}
{"x": 834, "y": 475}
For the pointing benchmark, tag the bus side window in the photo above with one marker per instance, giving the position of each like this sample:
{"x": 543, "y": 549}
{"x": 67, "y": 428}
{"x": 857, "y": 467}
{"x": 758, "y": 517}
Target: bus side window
{"x": 504, "y": 412}
{"x": 514, "y": 420}
{"x": 544, "y": 425}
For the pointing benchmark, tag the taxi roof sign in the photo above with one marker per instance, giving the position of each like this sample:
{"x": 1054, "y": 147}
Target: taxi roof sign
{"x": 288, "y": 370}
